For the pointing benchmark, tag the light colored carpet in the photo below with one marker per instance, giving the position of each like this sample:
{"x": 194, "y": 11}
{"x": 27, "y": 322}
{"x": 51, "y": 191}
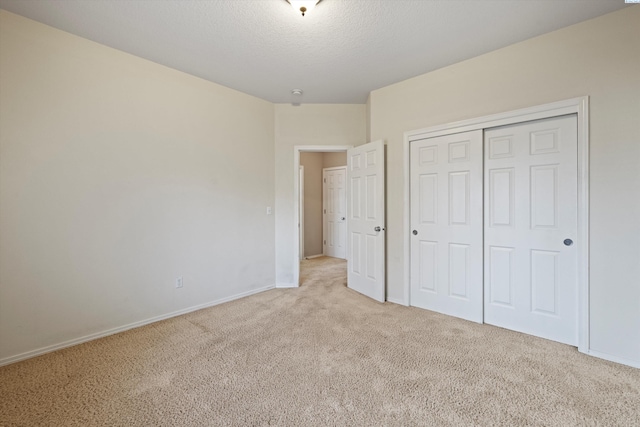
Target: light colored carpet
{"x": 318, "y": 355}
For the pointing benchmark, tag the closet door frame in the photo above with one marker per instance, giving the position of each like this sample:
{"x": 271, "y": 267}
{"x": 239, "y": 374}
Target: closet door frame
{"x": 579, "y": 106}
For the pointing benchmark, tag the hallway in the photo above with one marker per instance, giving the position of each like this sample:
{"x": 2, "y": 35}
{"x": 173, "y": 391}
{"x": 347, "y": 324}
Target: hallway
{"x": 323, "y": 271}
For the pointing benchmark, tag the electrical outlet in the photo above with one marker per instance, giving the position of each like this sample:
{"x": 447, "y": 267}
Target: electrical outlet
{"x": 179, "y": 282}
{"x": 268, "y": 210}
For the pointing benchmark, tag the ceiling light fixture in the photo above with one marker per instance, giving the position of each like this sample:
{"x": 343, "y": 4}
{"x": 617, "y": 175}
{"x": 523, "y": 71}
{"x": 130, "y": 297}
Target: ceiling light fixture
{"x": 303, "y": 6}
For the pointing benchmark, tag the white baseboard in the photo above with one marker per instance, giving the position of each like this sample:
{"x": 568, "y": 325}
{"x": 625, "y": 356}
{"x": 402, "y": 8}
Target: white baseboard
{"x": 90, "y": 337}
{"x": 611, "y": 358}
{"x": 313, "y": 256}
{"x": 286, "y": 285}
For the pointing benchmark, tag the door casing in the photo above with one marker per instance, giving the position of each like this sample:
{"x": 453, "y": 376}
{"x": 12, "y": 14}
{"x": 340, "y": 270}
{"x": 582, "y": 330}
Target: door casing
{"x": 301, "y": 212}
{"x": 579, "y": 106}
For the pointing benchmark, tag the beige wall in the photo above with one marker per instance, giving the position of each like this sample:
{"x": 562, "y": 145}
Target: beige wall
{"x": 313, "y": 163}
{"x": 599, "y": 58}
{"x": 310, "y": 125}
{"x": 118, "y": 175}
{"x": 334, "y": 160}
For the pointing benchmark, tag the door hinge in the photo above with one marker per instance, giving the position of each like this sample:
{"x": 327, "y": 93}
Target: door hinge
{"x": 324, "y": 180}
{"x": 325, "y": 242}
{"x": 325, "y": 211}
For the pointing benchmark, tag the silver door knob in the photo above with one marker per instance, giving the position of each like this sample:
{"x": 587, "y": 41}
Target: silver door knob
{"x": 343, "y": 218}
{"x": 568, "y": 242}
{"x": 378, "y": 228}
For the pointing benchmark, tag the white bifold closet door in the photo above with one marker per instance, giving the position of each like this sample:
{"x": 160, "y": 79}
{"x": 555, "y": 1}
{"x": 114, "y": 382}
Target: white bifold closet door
{"x": 446, "y": 224}
{"x": 530, "y": 208}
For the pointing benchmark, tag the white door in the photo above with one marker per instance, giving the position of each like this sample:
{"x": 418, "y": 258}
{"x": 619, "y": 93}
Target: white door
{"x": 365, "y": 225}
{"x": 334, "y": 212}
{"x": 530, "y": 224}
{"x": 446, "y": 224}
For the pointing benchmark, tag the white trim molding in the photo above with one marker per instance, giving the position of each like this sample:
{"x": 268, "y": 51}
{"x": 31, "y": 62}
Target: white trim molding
{"x": 301, "y": 210}
{"x": 578, "y": 106}
{"x": 51, "y": 348}
{"x": 286, "y": 285}
{"x": 616, "y": 359}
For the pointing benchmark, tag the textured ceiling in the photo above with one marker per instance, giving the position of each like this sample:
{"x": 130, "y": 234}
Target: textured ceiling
{"x": 337, "y": 53}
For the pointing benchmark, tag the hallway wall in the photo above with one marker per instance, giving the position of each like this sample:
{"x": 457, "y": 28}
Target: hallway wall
{"x": 313, "y": 163}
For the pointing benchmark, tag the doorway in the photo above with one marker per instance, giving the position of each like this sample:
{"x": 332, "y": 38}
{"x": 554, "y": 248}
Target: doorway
{"x": 365, "y": 216}
{"x": 309, "y": 162}
{"x": 323, "y": 204}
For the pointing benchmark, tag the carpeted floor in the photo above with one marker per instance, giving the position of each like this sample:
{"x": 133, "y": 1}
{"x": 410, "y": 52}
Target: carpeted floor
{"x": 318, "y": 355}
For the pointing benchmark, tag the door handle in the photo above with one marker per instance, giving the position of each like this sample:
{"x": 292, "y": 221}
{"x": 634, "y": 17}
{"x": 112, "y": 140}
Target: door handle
{"x": 415, "y": 232}
{"x": 378, "y": 228}
{"x": 568, "y": 242}
{"x": 342, "y": 218}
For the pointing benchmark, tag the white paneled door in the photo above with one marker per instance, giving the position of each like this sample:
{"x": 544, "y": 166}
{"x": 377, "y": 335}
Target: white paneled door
{"x": 446, "y": 224}
{"x": 530, "y": 208}
{"x": 334, "y": 209}
{"x": 365, "y": 224}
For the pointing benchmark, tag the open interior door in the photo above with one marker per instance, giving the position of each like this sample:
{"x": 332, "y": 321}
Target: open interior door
{"x": 366, "y": 225}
